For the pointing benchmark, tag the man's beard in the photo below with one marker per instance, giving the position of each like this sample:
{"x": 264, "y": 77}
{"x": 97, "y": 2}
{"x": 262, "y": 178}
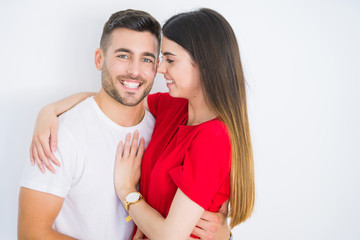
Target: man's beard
{"x": 109, "y": 87}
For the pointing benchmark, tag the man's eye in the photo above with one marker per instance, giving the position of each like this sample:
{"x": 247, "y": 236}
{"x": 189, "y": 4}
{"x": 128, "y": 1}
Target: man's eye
{"x": 147, "y": 60}
{"x": 122, "y": 56}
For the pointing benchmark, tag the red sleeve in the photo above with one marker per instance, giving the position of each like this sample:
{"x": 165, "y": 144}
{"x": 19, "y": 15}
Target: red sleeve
{"x": 206, "y": 166}
{"x": 153, "y": 100}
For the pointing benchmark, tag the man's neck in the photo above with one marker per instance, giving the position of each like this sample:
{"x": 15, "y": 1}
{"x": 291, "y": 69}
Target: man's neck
{"x": 122, "y": 115}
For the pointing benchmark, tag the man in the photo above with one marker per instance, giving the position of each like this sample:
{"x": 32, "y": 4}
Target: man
{"x": 79, "y": 201}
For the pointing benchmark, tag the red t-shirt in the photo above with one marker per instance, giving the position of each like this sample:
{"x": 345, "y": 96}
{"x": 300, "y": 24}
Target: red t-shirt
{"x": 195, "y": 159}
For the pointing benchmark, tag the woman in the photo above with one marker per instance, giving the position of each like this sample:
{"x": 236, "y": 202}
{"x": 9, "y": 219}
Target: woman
{"x": 201, "y": 144}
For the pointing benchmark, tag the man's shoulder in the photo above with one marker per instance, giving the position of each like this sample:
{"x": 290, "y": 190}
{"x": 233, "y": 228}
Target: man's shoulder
{"x": 78, "y": 114}
{"x": 77, "y": 121}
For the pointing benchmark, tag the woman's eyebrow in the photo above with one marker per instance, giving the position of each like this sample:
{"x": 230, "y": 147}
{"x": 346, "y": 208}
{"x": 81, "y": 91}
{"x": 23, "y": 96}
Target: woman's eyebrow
{"x": 168, "y": 53}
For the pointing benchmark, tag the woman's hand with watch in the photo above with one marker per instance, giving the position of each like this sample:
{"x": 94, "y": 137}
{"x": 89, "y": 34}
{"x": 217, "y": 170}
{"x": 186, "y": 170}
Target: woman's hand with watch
{"x": 127, "y": 165}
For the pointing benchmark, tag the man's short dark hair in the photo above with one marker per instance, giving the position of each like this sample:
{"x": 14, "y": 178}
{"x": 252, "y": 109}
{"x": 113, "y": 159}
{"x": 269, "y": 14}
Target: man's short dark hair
{"x": 131, "y": 19}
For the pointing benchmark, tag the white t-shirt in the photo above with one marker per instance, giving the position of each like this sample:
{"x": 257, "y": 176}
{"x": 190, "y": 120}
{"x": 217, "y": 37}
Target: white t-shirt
{"x": 87, "y": 143}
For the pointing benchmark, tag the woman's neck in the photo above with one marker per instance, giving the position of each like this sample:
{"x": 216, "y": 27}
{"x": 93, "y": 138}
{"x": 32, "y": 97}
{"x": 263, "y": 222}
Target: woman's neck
{"x": 199, "y": 111}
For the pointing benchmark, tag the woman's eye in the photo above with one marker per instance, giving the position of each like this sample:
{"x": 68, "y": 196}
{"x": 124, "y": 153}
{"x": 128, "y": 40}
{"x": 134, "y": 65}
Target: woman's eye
{"x": 169, "y": 60}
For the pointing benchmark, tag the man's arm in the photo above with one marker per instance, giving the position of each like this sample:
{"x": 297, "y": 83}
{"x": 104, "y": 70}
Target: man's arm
{"x": 37, "y": 213}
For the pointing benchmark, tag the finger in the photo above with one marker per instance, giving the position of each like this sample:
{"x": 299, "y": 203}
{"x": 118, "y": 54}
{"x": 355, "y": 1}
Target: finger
{"x": 139, "y": 154}
{"x": 191, "y": 238}
{"x": 52, "y": 157}
{"x": 32, "y": 159}
{"x": 48, "y": 153}
{"x": 208, "y": 227}
{"x": 139, "y": 234}
{"x": 119, "y": 151}
{"x": 199, "y": 232}
{"x": 126, "y": 150}
{"x": 211, "y": 217}
{"x": 53, "y": 139}
{"x": 43, "y": 158}
{"x": 134, "y": 143}
{"x": 141, "y": 149}
{"x": 37, "y": 159}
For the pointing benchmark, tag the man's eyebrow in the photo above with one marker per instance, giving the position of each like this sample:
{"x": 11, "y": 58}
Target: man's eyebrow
{"x": 122, "y": 50}
{"x": 168, "y": 53}
{"x": 149, "y": 54}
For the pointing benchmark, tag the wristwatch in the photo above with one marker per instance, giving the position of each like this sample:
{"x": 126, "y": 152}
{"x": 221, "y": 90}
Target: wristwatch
{"x": 132, "y": 198}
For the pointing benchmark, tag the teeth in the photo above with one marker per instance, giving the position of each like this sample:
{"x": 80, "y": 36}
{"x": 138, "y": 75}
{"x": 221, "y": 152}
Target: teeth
{"x": 169, "y": 81}
{"x": 130, "y": 84}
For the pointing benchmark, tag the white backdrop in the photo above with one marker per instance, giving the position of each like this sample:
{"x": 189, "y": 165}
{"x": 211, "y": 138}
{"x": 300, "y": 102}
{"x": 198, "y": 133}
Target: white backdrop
{"x": 301, "y": 60}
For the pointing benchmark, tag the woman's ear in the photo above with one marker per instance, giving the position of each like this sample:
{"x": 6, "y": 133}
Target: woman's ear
{"x": 99, "y": 58}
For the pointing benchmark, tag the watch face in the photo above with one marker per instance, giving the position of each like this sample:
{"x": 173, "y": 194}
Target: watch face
{"x": 132, "y": 197}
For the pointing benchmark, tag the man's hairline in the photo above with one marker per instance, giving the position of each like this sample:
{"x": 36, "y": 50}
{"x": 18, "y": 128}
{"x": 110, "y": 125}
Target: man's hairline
{"x": 110, "y": 34}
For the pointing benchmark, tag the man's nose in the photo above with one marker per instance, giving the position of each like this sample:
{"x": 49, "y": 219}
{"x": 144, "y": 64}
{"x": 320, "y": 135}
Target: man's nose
{"x": 134, "y": 68}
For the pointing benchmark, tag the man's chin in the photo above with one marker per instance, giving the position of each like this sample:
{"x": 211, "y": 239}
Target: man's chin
{"x": 130, "y": 98}
{"x": 130, "y": 101}
{"x": 131, "y": 104}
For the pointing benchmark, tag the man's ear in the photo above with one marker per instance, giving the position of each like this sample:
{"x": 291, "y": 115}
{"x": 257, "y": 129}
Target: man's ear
{"x": 99, "y": 58}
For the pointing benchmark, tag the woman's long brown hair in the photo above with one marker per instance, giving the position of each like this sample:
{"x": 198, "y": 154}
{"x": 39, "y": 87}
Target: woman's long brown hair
{"x": 211, "y": 42}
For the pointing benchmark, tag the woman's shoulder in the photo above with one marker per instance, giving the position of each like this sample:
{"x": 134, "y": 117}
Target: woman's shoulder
{"x": 165, "y": 98}
{"x": 160, "y": 103}
{"x": 213, "y": 128}
{"x": 210, "y": 134}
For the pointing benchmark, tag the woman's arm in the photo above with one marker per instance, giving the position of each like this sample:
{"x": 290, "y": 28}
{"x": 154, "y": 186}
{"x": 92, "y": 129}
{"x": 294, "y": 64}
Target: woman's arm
{"x": 67, "y": 103}
{"x": 46, "y": 129}
{"x": 179, "y": 223}
{"x": 184, "y": 213}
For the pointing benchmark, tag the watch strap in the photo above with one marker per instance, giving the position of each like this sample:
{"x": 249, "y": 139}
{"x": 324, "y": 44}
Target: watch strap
{"x": 127, "y": 204}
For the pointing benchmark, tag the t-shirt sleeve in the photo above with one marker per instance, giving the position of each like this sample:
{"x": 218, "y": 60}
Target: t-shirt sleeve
{"x": 59, "y": 183}
{"x": 206, "y": 166}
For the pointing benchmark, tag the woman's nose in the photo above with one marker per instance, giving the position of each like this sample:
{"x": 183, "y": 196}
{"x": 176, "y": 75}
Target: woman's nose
{"x": 161, "y": 68}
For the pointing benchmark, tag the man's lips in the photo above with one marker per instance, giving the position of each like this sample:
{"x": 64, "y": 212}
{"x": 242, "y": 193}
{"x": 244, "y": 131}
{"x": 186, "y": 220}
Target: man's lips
{"x": 132, "y": 84}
